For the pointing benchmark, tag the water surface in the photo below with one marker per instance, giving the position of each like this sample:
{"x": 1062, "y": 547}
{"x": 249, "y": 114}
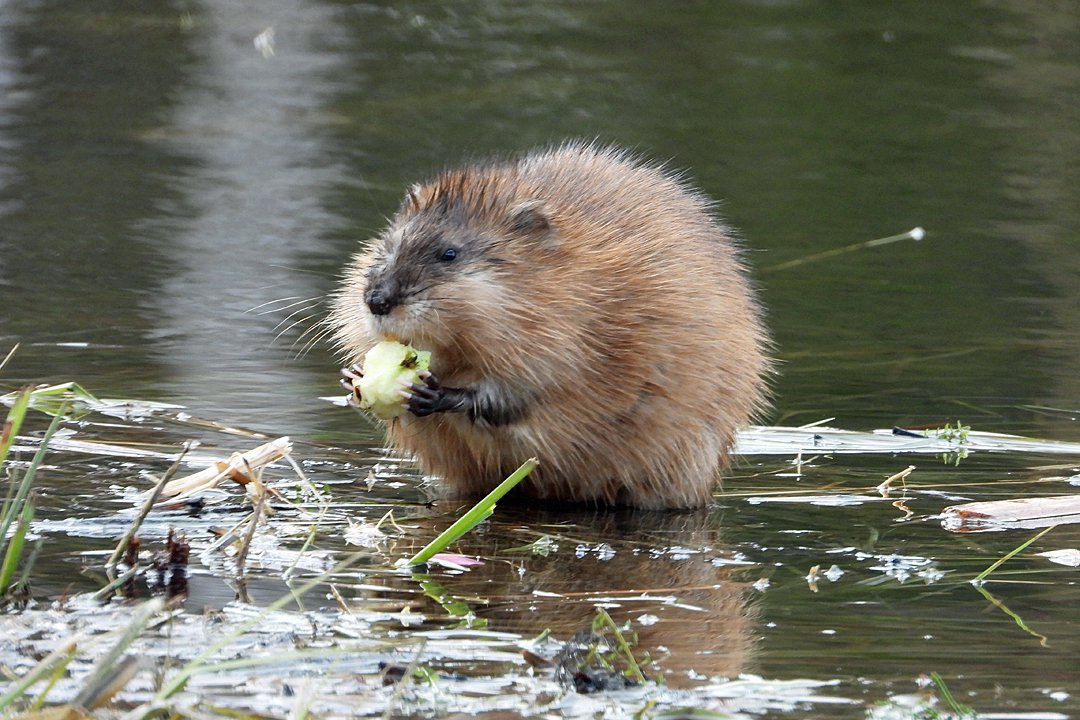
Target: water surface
{"x": 170, "y": 194}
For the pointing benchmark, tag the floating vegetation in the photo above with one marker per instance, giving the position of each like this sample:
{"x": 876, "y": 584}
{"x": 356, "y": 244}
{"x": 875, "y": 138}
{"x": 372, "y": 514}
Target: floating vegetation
{"x": 790, "y": 441}
{"x": 1013, "y": 514}
{"x": 930, "y": 705}
{"x": 601, "y": 658}
{"x": 272, "y": 568}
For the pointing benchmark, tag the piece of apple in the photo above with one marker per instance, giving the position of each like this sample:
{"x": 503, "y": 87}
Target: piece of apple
{"x": 385, "y": 367}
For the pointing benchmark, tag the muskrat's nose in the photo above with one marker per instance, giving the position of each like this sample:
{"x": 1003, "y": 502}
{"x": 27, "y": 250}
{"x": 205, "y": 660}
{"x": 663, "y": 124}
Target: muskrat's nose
{"x": 379, "y": 302}
{"x": 380, "y": 299}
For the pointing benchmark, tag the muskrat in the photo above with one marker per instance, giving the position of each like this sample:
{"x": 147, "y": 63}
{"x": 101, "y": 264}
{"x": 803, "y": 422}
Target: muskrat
{"x": 582, "y": 306}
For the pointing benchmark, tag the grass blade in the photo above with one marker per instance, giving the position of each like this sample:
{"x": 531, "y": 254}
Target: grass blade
{"x": 15, "y": 508}
{"x": 15, "y": 547}
{"x": 480, "y": 512}
{"x": 1012, "y": 553}
{"x": 4, "y": 362}
{"x": 14, "y": 421}
{"x": 57, "y": 658}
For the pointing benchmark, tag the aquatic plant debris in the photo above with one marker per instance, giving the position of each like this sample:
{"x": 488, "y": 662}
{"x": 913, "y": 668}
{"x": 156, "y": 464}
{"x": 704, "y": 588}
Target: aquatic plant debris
{"x": 242, "y": 467}
{"x": 756, "y": 440}
{"x": 762, "y": 440}
{"x": 380, "y": 616}
{"x": 1070, "y": 557}
{"x": 1016, "y": 514}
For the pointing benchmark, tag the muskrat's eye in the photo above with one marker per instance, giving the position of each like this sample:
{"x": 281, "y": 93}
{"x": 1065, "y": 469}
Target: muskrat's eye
{"x": 448, "y": 255}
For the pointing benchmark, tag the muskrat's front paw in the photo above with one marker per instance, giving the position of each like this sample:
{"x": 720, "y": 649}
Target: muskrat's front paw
{"x": 350, "y": 376}
{"x": 425, "y": 399}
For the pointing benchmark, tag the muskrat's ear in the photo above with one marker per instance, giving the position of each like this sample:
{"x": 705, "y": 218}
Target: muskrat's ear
{"x": 411, "y": 203}
{"x": 531, "y": 219}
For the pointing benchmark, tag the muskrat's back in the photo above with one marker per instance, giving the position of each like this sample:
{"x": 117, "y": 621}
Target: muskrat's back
{"x": 581, "y": 306}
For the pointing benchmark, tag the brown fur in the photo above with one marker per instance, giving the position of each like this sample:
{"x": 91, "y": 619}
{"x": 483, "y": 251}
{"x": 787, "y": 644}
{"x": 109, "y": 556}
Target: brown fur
{"x": 597, "y": 294}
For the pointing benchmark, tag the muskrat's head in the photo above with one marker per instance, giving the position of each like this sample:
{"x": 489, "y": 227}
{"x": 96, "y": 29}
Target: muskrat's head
{"x": 448, "y": 272}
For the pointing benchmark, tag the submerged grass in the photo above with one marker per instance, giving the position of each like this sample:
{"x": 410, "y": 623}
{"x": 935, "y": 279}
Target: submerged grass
{"x": 979, "y": 580}
{"x": 957, "y": 710}
{"x": 603, "y": 623}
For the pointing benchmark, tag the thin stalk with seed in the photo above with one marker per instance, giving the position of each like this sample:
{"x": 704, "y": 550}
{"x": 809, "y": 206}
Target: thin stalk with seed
{"x": 914, "y": 234}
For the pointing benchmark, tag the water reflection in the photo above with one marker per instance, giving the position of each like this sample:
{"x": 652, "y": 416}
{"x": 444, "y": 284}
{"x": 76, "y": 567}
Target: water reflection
{"x": 10, "y": 80}
{"x": 1040, "y": 176}
{"x": 251, "y": 205}
{"x": 684, "y": 592}
{"x": 75, "y": 184}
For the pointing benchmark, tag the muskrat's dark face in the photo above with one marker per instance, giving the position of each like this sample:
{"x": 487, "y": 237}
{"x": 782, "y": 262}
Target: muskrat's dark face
{"x": 438, "y": 277}
{"x": 422, "y": 270}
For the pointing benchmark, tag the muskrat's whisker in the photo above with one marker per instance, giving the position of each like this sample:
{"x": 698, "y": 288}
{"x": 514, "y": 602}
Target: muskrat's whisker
{"x": 312, "y": 341}
{"x": 293, "y": 301}
{"x": 294, "y": 313}
{"x": 299, "y": 321}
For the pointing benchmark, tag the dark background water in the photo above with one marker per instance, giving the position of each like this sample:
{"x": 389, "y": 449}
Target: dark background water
{"x": 162, "y": 180}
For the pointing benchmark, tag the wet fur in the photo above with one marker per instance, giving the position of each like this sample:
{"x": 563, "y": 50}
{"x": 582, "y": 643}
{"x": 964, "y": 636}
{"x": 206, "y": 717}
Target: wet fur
{"x": 598, "y": 301}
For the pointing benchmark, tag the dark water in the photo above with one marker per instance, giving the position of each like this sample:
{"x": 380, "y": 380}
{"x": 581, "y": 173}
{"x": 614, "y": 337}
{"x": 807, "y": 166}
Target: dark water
{"x": 162, "y": 180}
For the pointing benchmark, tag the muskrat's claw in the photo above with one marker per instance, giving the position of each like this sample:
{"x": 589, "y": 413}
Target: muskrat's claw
{"x": 353, "y": 372}
{"x": 427, "y": 398}
{"x": 349, "y": 376}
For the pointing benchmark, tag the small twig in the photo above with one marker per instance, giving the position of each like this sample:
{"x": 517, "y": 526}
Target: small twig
{"x": 245, "y": 543}
{"x": 305, "y": 480}
{"x": 886, "y": 485}
{"x": 226, "y": 537}
{"x": 115, "y": 583}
